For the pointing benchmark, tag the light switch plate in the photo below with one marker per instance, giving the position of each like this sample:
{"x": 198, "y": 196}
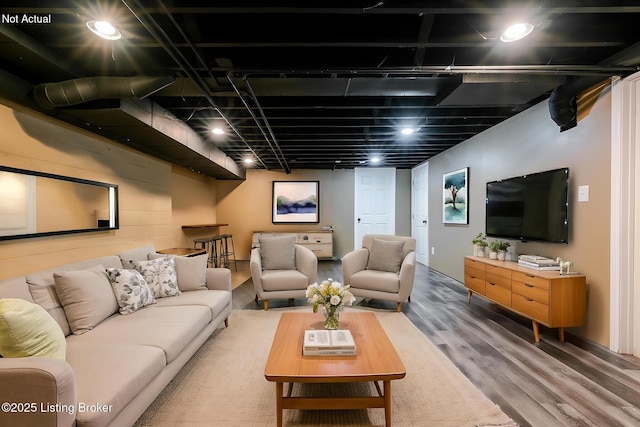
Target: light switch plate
{"x": 583, "y": 193}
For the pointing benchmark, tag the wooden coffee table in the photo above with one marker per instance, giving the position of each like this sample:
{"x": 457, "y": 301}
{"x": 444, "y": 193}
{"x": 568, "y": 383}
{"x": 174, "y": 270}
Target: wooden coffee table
{"x": 376, "y": 360}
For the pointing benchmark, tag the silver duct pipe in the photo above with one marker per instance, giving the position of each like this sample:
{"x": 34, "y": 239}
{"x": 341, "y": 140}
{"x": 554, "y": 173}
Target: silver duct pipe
{"x": 78, "y": 91}
{"x": 563, "y": 106}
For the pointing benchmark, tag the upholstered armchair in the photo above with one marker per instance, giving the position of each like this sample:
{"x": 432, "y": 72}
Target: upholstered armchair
{"x": 282, "y": 269}
{"x": 384, "y": 268}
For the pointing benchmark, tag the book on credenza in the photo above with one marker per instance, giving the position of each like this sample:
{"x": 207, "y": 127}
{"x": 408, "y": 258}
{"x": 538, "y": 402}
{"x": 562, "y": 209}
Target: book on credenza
{"x": 328, "y": 343}
{"x": 540, "y": 263}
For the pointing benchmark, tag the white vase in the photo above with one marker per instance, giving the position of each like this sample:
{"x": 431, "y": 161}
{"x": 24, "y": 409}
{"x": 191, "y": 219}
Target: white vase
{"x": 493, "y": 255}
{"x": 502, "y": 255}
{"x": 479, "y": 251}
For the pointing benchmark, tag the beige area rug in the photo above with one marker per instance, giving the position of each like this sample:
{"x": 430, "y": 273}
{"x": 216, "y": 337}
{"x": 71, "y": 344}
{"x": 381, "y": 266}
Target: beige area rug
{"x": 224, "y": 385}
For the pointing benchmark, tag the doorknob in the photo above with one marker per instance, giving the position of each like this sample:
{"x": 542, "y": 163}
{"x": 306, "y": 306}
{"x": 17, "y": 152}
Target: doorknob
{"x": 424, "y": 221}
{"x": 358, "y": 219}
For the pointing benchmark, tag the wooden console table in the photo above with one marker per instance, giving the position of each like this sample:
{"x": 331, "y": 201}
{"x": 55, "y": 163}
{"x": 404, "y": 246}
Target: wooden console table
{"x": 320, "y": 242}
{"x": 186, "y": 227}
{"x": 545, "y": 297}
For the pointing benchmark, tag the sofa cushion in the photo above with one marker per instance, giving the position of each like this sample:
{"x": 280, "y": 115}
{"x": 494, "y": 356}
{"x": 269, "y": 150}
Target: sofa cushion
{"x": 168, "y": 328}
{"x": 191, "y": 271}
{"x": 26, "y": 329}
{"x": 382, "y": 281}
{"x": 217, "y": 301}
{"x": 130, "y": 289}
{"x": 110, "y": 374}
{"x": 86, "y": 296}
{"x": 284, "y": 280}
{"x": 385, "y": 255}
{"x": 160, "y": 275}
{"x": 46, "y": 297}
{"x": 129, "y": 256}
{"x": 278, "y": 253}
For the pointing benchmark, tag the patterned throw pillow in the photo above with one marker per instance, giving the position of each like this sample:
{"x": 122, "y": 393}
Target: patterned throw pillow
{"x": 160, "y": 275}
{"x": 132, "y": 291}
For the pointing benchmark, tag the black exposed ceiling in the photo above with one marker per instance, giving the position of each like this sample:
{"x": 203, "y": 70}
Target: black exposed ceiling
{"x": 310, "y": 85}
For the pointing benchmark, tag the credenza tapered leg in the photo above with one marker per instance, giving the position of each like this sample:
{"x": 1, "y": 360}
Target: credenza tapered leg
{"x": 536, "y": 332}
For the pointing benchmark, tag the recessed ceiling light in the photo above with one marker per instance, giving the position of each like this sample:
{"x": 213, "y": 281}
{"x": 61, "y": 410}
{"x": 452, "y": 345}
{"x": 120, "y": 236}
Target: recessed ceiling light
{"x": 516, "y": 32}
{"x": 104, "y": 29}
{"x": 407, "y": 131}
{"x": 375, "y": 160}
{"x": 248, "y": 161}
{"x": 218, "y": 131}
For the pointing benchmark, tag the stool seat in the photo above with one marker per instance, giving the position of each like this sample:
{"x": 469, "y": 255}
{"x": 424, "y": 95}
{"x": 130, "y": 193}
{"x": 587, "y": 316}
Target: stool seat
{"x": 209, "y": 244}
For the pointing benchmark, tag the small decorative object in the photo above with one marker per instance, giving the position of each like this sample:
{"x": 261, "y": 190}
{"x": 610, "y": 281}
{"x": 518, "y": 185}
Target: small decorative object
{"x": 565, "y": 266}
{"x": 479, "y": 244}
{"x": 331, "y": 296}
{"x": 498, "y": 249}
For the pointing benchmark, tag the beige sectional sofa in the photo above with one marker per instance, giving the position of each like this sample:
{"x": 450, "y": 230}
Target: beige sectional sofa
{"x": 115, "y": 370}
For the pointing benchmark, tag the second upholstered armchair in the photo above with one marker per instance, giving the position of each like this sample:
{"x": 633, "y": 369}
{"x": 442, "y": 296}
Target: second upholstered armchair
{"x": 282, "y": 269}
{"x": 384, "y": 268}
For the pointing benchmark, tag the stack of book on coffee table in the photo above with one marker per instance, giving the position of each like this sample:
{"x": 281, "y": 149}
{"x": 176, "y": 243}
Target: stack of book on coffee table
{"x": 538, "y": 262}
{"x": 328, "y": 343}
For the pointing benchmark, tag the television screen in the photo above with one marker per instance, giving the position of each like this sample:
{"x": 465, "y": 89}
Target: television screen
{"x": 529, "y": 207}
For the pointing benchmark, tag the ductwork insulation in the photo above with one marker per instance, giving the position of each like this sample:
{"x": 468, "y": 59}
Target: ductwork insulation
{"x": 78, "y": 91}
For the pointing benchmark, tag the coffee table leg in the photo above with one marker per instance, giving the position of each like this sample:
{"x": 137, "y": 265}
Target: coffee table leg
{"x": 279, "y": 390}
{"x": 387, "y": 402}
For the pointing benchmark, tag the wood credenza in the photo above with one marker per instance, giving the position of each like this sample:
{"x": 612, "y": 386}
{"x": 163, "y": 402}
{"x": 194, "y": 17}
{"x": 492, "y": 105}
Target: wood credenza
{"x": 320, "y": 242}
{"x": 545, "y": 297}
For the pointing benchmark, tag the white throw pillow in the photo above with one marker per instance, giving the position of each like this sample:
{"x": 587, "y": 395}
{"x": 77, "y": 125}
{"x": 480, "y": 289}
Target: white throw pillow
{"x": 191, "y": 271}
{"x": 86, "y": 296}
{"x": 130, "y": 288}
{"x": 278, "y": 252}
{"x": 160, "y": 275}
{"x": 386, "y": 255}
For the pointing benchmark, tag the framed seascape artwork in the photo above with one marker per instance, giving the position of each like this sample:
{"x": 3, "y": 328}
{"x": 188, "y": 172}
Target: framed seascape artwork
{"x": 454, "y": 199}
{"x": 295, "y": 202}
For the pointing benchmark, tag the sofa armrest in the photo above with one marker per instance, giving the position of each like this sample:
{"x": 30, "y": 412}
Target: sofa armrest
{"x": 353, "y": 262}
{"x": 41, "y": 390}
{"x": 255, "y": 264}
{"x": 407, "y": 276}
{"x": 306, "y": 263}
{"x": 219, "y": 279}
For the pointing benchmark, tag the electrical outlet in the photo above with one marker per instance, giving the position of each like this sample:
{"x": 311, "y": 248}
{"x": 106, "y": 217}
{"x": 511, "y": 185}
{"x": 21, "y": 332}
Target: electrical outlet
{"x": 433, "y": 250}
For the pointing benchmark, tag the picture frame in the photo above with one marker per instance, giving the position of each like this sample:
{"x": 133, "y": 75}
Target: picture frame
{"x": 295, "y": 202}
{"x": 455, "y": 209}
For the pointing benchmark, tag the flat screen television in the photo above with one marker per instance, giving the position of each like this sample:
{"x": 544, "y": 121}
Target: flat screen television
{"x": 530, "y": 207}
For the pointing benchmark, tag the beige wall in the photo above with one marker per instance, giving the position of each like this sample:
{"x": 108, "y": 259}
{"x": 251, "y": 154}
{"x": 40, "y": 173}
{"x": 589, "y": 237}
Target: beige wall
{"x": 147, "y": 187}
{"x": 246, "y": 206}
{"x": 532, "y": 142}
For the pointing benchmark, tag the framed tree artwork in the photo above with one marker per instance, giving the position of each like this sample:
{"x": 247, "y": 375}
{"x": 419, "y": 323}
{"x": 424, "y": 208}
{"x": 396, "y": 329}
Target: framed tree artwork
{"x": 454, "y": 199}
{"x": 295, "y": 202}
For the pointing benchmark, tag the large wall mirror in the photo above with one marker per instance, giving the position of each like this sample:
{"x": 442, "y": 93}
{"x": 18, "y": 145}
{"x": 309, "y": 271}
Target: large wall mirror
{"x": 35, "y": 204}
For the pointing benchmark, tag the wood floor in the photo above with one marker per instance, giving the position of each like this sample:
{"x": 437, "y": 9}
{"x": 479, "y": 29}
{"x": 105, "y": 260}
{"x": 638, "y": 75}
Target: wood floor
{"x": 576, "y": 383}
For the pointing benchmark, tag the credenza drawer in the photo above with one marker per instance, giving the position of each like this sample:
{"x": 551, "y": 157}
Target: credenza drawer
{"x": 314, "y": 238}
{"x": 531, "y": 279}
{"x": 500, "y": 271}
{"x": 321, "y": 251}
{"x": 498, "y": 293}
{"x": 474, "y": 281}
{"x": 530, "y": 291}
{"x": 530, "y": 307}
{"x": 474, "y": 264}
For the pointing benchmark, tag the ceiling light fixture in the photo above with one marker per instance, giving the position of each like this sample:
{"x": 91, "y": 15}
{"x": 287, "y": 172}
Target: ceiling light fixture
{"x": 218, "y": 131}
{"x": 407, "y": 131}
{"x": 104, "y": 29}
{"x": 375, "y": 160}
{"x": 248, "y": 161}
{"x": 516, "y": 32}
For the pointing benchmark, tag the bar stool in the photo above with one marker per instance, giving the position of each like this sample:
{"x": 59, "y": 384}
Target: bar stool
{"x": 207, "y": 243}
{"x": 225, "y": 252}
{"x": 216, "y": 251}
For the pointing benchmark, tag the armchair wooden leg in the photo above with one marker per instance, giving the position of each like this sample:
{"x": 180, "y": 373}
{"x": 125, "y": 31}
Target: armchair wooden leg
{"x": 399, "y": 307}
{"x": 409, "y": 299}
{"x": 266, "y": 305}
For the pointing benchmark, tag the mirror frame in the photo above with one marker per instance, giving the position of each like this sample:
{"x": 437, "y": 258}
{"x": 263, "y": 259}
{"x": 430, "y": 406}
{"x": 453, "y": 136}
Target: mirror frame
{"x": 114, "y": 220}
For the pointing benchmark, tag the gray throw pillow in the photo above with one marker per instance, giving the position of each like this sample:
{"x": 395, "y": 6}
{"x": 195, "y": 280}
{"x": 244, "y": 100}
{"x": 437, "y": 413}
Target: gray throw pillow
{"x": 278, "y": 253}
{"x": 385, "y": 255}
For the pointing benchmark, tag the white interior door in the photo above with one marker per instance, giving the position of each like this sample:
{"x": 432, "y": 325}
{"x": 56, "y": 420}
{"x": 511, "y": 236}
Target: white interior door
{"x": 374, "y": 202}
{"x": 420, "y": 211}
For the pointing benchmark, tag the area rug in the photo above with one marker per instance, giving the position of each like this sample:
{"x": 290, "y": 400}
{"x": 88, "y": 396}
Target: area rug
{"x": 224, "y": 385}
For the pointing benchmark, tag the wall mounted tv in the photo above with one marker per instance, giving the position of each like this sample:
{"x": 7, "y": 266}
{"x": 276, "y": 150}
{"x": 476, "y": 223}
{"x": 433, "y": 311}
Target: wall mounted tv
{"x": 530, "y": 207}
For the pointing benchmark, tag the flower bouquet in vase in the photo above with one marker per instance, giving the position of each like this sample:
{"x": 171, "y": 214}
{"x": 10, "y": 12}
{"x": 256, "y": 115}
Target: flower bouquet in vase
{"x": 331, "y": 296}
